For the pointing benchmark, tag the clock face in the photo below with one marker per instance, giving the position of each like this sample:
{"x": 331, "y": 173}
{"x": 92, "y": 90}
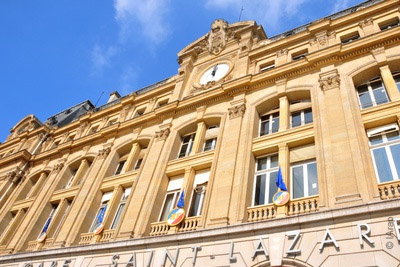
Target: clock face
{"x": 215, "y": 73}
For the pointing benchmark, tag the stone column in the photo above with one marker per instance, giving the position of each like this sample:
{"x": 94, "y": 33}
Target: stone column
{"x": 199, "y": 138}
{"x": 222, "y": 191}
{"x": 284, "y": 163}
{"x": 28, "y": 223}
{"x": 82, "y": 169}
{"x": 390, "y": 83}
{"x": 70, "y": 231}
{"x": 187, "y": 185}
{"x": 131, "y": 158}
{"x": 140, "y": 205}
{"x": 341, "y": 180}
{"x": 284, "y": 113}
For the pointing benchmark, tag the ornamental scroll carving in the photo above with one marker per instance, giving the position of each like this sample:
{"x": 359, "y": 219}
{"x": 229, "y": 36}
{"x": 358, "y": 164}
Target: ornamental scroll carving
{"x": 162, "y": 134}
{"x": 57, "y": 168}
{"x": 366, "y": 22}
{"x": 236, "y": 111}
{"x": 329, "y": 80}
{"x": 103, "y": 153}
{"x": 13, "y": 175}
{"x": 282, "y": 52}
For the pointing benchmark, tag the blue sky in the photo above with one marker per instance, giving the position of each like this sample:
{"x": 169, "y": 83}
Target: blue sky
{"x": 55, "y": 54}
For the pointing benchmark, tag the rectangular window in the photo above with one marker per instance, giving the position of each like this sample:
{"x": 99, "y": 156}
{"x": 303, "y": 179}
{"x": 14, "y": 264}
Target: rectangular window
{"x": 302, "y": 117}
{"x": 119, "y": 167}
{"x": 389, "y": 24}
{"x": 71, "y": 179}
{"x": 138, "y": 164}
{"x": 264, "y": 180}
{"x": 49, "y": 219}
{"x": 304, "y": 180}
{"x": 372, "y": 93}
{"x": 350, "y": 37}
{"x": 269, "y": 124}
{"x": 299, "y": 55}
{"x": 187, "y": 144}
{"x": 396, "y": 77}
{"x": 62, "y": 219}
{"x": 210, "y": 144}
{"x": 266, "y": 67}
{"x": 121, "y": 207}
{"x": 385, "y": 149}
{"x": 98, "y": 219}
{"x": 200, "y": 186}
{"x": 171, "y": 196}
{"x": 163, "y": 103}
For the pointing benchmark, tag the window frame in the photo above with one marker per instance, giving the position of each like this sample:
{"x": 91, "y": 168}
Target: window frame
{"x": 386, "y": 145}
{"x": 203, "y": 188}
{"x": 213, "y": 144}
{"x": 304, "y": 164}
{"x": 270, "y": 119}
{"x": 190, "y": 143}
{"x": 123, "y": 201}
{"x": 175, "y": 198}
{"x": 268, "y": 172}
{"x": 302, "y": 117}
{"x": 370, "y": 92}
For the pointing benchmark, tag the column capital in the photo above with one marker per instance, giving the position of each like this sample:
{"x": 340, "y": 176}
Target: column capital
{"x": 103, "y": 153}
{"x": 57, "y": 168}
{"x": 162, "y": 134}
{"x": 329, "y": 80}
{"x": 237, "y": 111}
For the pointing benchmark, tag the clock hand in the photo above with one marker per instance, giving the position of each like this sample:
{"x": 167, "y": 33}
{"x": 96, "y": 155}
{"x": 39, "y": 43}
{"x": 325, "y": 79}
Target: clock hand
{"x": 214, "y": 71}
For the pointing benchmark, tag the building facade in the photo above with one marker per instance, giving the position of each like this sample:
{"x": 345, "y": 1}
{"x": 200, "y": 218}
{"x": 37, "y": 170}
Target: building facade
{"x": 93, "y": 186}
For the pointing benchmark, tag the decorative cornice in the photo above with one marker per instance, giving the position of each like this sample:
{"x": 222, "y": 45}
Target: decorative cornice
{"x": 162, "y": 134}
{"x": 237, "y": 111}
{"x": 329, "y": 80}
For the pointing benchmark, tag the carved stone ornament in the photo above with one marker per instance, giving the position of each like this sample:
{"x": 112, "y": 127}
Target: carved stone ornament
{"x": 366, "y": 22}
{"x": 124, "y": 112}
{"x": 82, "y": 128}
{"x": 282, "y": 52}
{"x": 13, "y": 175}
{"x": 57, "y": 168}
{"x": 162, "y": 134}
{"x": 103, "y": 153}
{"x": 217, "y": 37}
{"x": 237, "y": 111}
{"x": 330, "y": 82}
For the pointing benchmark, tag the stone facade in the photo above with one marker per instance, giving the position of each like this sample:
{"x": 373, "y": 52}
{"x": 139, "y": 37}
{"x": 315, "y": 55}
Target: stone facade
{"x": 319, "y": 104}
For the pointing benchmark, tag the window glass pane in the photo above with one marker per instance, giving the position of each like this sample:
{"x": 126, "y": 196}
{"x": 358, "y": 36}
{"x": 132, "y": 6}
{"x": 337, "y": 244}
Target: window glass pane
{"x": 272, "y": 186}
{"x": 259, "y": 194}
{"x": 392, "y": 136}
{"x": 308, "y": 116}
{"x": 379, "y": 92}
{"x": 397, "y": 80}
{"x": 209, "y": 144}
{"x": 312, "y": 179}
{"x": 298, "y": 184}
{"x": 264, "y": 128}
{"x": 182, "y": 152}
{"x": 296, "y": 119}
{"x": 117, "y": 216}
{"x": 274, "y": 161}
{"x": 167, "y": 206}
{"x": 375, "y": 140}
{"x": 395, "y": 149}
{"x": 194, "y": 210}
{"x": 119, "y": 167}
{"x": 275, "y": 124}
{"x": 365, "y": 98}
{"x": 262, "y": 164}
{"x": 382, "y": 165}
{"x": 138, "y": 163}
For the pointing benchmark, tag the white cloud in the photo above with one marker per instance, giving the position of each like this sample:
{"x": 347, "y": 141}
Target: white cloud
{"x": 266, "y": 12}
{"x": 151, "y": 15}
{"x": 101, "y": 57}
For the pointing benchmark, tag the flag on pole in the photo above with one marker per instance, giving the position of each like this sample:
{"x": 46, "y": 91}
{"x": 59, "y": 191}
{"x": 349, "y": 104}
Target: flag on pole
{"x": 181, "y": 201}
{"x": 279, "y": 181}
{"x": 46, "y": 225}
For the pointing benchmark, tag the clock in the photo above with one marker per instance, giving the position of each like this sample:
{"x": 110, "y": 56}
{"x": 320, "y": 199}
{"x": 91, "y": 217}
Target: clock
{"x": 215, "y": 73}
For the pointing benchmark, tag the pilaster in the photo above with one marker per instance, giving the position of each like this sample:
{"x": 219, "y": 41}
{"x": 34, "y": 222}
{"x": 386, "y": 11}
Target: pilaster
{"x": 390, "y": 83}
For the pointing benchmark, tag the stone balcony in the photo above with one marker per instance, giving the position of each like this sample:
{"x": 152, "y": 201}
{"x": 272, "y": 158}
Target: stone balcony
{"x": 389, "y": 190}
{"x": 162, "y": 228}
{"x": 103, "y": 237}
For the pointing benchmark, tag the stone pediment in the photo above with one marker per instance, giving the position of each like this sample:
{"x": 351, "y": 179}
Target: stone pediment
{"x": 219, "y": 35}
{"x": 29, "y": 123}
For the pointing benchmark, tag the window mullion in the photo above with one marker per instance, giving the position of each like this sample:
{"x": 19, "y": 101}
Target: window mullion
{"x": 371, "y": 93}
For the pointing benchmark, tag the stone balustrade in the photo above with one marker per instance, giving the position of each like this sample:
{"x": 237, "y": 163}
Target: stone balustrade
{"x": 189, "y": 224}
{"x": 303, "y": 205}
{"x": 32, "y": 246}
{"x": 48, "y": 243}
{"x": 389, "y": 190}
{"x": 107, "y": 235}
{"x": 260, "y": 213}
{"x": 86, "y": 238}
{"x": 159, "y": 228}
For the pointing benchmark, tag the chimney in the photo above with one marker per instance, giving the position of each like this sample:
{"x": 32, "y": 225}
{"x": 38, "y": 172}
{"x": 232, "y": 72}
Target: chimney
{"x": 113, "y": 96}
